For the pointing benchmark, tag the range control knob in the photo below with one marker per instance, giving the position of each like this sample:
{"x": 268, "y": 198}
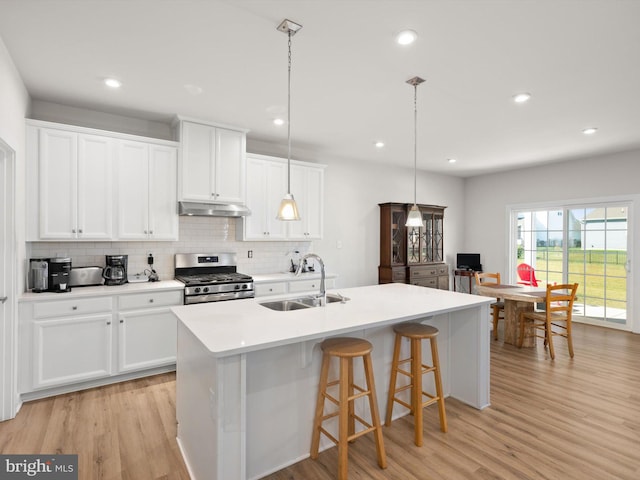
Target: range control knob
{"x": 205, "y": 289}
{"x": 245, "y": 286}
{"x": 197, "y": 290}
{"x": 236, "y": 287}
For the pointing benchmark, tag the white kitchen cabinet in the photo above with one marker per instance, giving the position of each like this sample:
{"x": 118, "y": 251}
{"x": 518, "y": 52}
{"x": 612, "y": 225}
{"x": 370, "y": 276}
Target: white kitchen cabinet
{"x": 147, "y": 330}
{"x": 270, "y": 288}
{"x": 75, "y": 184}
{"x": 68, "y": 341}
{"x": 147, "y": 207}
{"x": 92, "y": 340}
{"x": 307, "y": 187}
{"x": 267, "y": 185}
{"x": 298, "y": 285}
{"x": 212, "y": 163}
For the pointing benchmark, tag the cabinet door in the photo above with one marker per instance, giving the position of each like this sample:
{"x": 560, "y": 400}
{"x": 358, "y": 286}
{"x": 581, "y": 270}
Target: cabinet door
{"x": 266, "y": 185}
{"x": 197, "y": 162}
{"x": 163, "y": 214}
{"x": 307, "y": 185}
{"x": 72, "y": 349}
{"x": 229, "y": 166}
{"x": 147, "y": 338}
{"x": 58, "y": 172}
{"x": 133, "y": 190}
{"x": 95, "y": 187}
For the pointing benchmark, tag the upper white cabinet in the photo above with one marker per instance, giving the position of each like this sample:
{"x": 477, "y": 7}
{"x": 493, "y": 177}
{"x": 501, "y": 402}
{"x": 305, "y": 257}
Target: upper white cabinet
{"x": 86, "y": 184}
{"x": 147, "y": 207}
{"x": 212, "y": 163}
{"x": 75, "y": 183}
{"x": 267, "y": 184}
{"x": 307, "y": 187}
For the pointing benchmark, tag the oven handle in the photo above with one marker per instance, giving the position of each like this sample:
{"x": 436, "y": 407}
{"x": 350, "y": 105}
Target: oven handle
{"x": 215, "y": 297}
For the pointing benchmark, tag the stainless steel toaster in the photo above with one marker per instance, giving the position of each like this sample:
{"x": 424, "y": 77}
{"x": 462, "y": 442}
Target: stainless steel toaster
{"x": 86, "y": 276}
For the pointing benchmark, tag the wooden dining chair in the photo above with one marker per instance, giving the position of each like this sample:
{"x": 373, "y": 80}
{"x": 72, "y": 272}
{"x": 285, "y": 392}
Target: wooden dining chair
{"x": 555, "y": 320}
{"x": 497, "y": 308}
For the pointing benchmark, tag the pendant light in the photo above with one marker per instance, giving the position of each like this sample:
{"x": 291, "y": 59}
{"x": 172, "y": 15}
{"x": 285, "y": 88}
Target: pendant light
{"x": 288, "y": 208}
{"x": 414, "y": 219}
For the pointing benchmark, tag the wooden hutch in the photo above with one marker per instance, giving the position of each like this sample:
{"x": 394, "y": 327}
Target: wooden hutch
{"x": 412, "y": 254}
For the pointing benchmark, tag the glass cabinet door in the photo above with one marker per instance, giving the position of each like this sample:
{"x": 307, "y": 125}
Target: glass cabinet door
{"x": 398, "y": 219}
{"x": 414, "y": 237}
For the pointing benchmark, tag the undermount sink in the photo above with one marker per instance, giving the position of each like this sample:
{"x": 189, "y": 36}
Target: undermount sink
{"x": 299, "y": 303}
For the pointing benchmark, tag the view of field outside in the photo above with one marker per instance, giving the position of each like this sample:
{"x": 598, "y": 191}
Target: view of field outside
{"x": 593, "y": 240}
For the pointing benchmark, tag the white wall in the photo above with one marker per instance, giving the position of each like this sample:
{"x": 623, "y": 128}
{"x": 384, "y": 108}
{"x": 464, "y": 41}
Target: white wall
{"x": 487, "y": 198}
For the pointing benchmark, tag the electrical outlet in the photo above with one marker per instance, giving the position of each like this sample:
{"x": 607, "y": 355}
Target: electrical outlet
{"x": 250, "y": 254}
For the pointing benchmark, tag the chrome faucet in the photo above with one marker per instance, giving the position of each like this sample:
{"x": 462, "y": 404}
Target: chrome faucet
{"x": 322, "y": 297}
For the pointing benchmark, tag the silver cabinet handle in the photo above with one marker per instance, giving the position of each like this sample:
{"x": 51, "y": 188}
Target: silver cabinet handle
{"x": 80, "y": 231}
{"x": 3, "y": 299}
{"x": 151, "y": 300}
{"x": 151, "y": 232}
{"x": 145, "y": 232}
{"x": 108, "y": 323}
{"x": 74, "y": 307}
{"x": 121, "y": 321}
{"x": 73, "y": 230}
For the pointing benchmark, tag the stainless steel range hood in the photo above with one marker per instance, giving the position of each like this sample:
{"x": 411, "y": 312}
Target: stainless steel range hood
{"x": 212, "y": 209}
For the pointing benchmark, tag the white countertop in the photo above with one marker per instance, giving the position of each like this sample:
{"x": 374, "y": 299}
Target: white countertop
{"x": 289, "y": 277}
{"x": 77, "y": 292}
{"x": 230, "y": 328}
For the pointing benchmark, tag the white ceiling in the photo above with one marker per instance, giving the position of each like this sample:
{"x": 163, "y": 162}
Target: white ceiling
{"x": 579, "y": 59}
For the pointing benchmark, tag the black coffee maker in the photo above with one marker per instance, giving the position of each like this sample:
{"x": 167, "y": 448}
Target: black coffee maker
{"x": 59, "y": 273}
{"x": 115, "y": 272}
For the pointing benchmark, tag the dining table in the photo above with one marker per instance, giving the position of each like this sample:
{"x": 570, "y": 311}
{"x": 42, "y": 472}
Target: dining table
{"x": 517, "y": 298}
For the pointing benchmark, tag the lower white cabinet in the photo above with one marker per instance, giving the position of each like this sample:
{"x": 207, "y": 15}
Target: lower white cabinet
{"x": 71, "y": 349}
{"x": 306, "y": 286}
{"x": 94, "y": 339}
{"x": 147, "y": 333}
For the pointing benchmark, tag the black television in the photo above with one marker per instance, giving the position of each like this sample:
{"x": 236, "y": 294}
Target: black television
{"x": 468, "y": 261}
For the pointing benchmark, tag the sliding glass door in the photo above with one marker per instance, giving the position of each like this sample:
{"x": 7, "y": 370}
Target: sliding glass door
{"x": 586, "y": 244}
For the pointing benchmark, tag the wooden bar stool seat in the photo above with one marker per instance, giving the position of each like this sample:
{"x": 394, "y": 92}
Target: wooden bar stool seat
{"x": 346, "y": 349}
{"x": 416, "y": 332}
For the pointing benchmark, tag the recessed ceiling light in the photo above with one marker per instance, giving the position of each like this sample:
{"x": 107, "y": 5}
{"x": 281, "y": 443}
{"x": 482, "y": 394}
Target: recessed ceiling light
{"x": 406, "y": 37}
{"x": 451, "y": 160}
{"x": 278, "y": 121}
{"x": 112, "y": 83}
{"x": 379, "y": 144}
{"x": 590, "y": 130}
{"x": 522, "y": 97}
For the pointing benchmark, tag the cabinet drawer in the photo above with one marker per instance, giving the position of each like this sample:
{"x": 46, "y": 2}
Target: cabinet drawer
{"x": 422, "y": 272}
{"x": 264, "y": 289}
{"x": 310, "y": 285}
{"x": 78, "y": 306}
{"x": 150, "y": 299}
{"x": 398, "y": 275}
{"x": 443, "y": 270}
{"x": 426, "y": 282}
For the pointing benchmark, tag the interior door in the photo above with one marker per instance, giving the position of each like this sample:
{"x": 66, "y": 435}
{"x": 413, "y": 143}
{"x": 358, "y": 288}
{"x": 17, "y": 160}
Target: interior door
{"x": 8, "y": 401}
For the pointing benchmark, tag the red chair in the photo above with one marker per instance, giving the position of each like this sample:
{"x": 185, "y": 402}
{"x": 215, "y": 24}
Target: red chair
{"x": 527, "y": 275}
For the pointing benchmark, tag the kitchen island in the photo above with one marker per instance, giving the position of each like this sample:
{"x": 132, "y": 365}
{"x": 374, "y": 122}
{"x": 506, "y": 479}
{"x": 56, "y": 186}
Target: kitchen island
{"x": 247, "y": 376}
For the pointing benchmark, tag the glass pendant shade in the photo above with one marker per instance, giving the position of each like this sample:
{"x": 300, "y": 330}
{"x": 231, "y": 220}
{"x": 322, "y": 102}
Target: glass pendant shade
{"x": 288, "y": 209}
{"x": 414, "y": 219}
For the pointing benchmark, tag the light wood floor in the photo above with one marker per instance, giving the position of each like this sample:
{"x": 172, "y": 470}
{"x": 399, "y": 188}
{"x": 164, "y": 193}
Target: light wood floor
{"x": 566, "y": 419}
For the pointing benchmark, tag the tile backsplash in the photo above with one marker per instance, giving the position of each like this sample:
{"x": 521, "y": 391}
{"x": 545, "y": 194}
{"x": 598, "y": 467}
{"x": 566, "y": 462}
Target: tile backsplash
{"x": 197, "y": 235}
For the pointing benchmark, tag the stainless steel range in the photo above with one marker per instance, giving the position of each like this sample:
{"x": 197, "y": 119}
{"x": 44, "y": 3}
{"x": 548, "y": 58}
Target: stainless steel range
{"x": 211, "y": 277}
